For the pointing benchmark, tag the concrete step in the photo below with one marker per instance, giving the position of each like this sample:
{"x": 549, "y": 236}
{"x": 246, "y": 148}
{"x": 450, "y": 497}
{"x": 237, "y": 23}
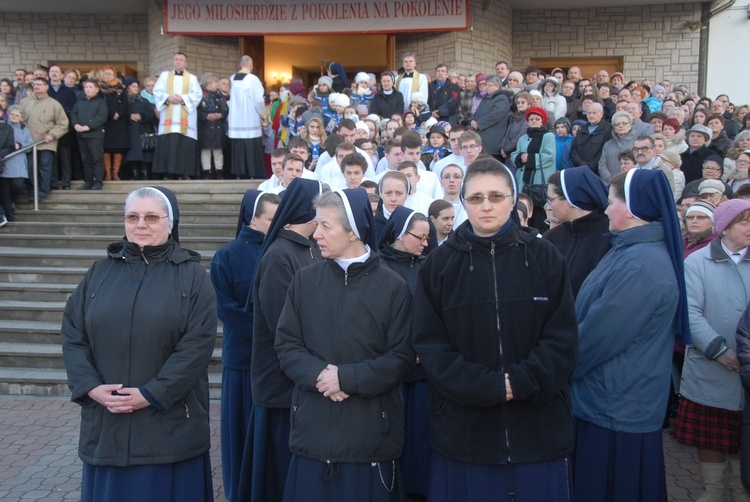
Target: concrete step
{"x": 54, "y": 382}
{"x": 49, "y": 332}
{"x": 31, "y": 311}
{"x": 115, "y": 204}
{"x": 177, "y": 186}
{"x": 98, "y": 196}
{"x": 101, "y": 241}
{"x": 35, "y": 292}
{"x": 30, "y": 332}
{"x": 49, "y": 275}
{"x": 116, "y": 227}
{"x": 86, "y": 216}
{"x": 48, "y": 257}
{"x": 48, "y": 355}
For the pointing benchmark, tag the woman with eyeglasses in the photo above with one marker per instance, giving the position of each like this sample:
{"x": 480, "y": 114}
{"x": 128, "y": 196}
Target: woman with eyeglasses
{"x": 497, "y": 338}
{"x": 137, "y": 334}
{"x": 577, "y": 199}
{"x": 401, "y": 246}
{"x": 623, "y": 137}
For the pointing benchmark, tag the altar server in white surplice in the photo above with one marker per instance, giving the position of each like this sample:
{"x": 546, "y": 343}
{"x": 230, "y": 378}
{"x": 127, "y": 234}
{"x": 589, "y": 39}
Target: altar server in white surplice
{"x": 246, "y": 106}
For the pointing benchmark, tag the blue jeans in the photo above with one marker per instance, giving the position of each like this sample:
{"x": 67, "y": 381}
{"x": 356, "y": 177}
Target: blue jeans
{"x": 46, "y": 161}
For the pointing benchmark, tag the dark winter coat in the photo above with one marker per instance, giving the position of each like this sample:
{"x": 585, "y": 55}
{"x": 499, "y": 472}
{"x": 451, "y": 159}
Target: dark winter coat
{"x": 148, "y": 320}
{"x": 116, "y": 133}
{"x": 90, "y": 112}
{"x": 7, "y": 142}
{"x": 359, "y": 321}
{"x": 582, "y": 243}
{"x": 446, "y": 100}
{"x": 692, "y": 163}
{"x": 289, "y": 253}
{"x": 485, "y": 307}
{"x": 492, "y": 120}
{"x": 406, "y": 265}
{"x": 148, "y": 124}
{"x": 211, "y": 133}
{"x": 232, "y": 272}
{"x": 464, "y": 111}
{"x": 587, "y": 147}
{"x": 721, "y": 144}
{"x": 387, "y": 105}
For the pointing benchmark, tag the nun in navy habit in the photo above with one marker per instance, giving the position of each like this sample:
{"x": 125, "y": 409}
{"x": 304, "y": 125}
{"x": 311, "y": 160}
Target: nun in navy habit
{"x": 137, "y": 336}
{"x": 629, "y": 310}
{"x": 232, "y": 272}
{"x": 286, "y": 249}
{"x": 343, "y": 339}
{"x": 401, "y": 246}
{"x": 577, "y": 198}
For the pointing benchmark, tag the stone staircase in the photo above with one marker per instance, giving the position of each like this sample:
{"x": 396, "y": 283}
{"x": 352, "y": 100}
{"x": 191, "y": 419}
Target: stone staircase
{"x": 44, "y": 254}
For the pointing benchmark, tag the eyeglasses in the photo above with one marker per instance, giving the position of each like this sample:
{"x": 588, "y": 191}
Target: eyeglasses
{"x": 711, "y": 169}
{"x": 637, "y": 149}
{"x": 494, "y": 198}
{"x": 470, "y": 147}
{"x": 420, "y": 239}
{"x": 150, "y": 219}
{"x": 742, "y": 162}
{"x": 550, "y": 200}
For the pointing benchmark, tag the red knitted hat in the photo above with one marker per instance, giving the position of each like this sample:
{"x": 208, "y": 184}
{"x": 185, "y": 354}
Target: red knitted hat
{"x": 537, "y": 110}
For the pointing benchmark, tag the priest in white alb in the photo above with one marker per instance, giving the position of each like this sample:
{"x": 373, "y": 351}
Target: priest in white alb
{"x": 246, "y": 107}
{"x": 177, "y": 95}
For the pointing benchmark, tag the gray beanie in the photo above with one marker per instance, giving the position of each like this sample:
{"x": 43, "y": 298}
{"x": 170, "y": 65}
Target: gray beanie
{"x": 326, "y": 80}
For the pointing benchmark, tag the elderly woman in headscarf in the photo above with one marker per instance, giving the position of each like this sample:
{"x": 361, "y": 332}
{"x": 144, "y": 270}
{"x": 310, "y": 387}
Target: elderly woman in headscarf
{"x": 287, "y": 248}
{"x": 577, "y": 198}
{"x": 401, "y": 246}
{"x": 628, "y": 315}
{"x": 232, "y": 271}
{"x": 137, "y": 335}
{"x": 710, "y": 413}
{"x": 344, "y": 340}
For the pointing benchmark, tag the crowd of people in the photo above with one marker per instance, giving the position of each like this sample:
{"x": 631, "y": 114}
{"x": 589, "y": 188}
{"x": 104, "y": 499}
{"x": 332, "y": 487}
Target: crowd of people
{"x": 449, "y": 288}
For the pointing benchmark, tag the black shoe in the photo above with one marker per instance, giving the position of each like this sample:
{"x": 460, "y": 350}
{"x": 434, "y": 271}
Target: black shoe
{"x": 85, "y": 186}
{"x": 54, "y": 186}
{"x": 219, "y": 175}
{"x": 66, "y": 188}
{"x": 96, "y": 187}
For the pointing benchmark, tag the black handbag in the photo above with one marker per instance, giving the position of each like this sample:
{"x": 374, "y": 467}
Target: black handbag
{"x": 537, "y": 191}
{"x": 148, "y": 141}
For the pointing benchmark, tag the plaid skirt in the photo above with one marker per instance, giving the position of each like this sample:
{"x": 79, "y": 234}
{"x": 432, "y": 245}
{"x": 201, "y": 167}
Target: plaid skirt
{"x": 708, "y": 428}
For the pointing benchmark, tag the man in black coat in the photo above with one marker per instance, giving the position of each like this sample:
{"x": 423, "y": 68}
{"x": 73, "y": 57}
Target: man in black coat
{"x": 87, "y": 119}
{"x": 589, "y": 142}
{"x": 444, "y": 98}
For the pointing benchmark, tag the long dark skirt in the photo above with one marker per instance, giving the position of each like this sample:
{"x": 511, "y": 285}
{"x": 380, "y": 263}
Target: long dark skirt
{"x": 236, "y": 410}
{"x": 176, "y": 154}
{"x": 186, "y": 481}
{"x": 415, "y": 460}
{"x": 617, "y": 466}
{"x": 266, "y": 457}
{"x": 451, "y": 481}
{"x": 247, "y": 158}
{"x": 314, "y": 481}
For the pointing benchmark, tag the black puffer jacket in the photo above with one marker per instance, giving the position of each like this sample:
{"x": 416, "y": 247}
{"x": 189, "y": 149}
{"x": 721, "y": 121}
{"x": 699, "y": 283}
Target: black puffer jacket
{"x": 287, "y": 254}
{"x": 485, "y": 307}
{"x": 359, "y": 321}
{"x": 144, "y": 320}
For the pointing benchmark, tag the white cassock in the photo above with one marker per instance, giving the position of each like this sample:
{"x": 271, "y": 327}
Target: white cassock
{"x": 170, "y": 122}
{"x": 246, "y": 107}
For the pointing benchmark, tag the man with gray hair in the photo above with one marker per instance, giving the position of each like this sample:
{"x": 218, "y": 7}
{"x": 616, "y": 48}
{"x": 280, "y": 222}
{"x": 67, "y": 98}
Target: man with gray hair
{"x": 444, "y": 96}
{"x": 411, "y": 80}
{"x": 589, "y": 142}
{"x": 245, "y": 109}
{"x": 640, "y": 128}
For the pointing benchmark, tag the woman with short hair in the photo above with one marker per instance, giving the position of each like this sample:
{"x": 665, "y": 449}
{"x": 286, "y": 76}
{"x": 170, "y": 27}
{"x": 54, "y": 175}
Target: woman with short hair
{"x": 495, "y": 331}
{"x": 622, "y": 140}
{"x": 343, "y": 338}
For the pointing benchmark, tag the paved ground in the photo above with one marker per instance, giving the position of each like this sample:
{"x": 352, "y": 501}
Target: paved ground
{"x": 39, "y": 462}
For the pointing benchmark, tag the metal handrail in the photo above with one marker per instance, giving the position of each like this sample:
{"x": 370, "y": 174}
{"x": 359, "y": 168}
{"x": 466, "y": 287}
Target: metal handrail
{"x": 25, "y": 149}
